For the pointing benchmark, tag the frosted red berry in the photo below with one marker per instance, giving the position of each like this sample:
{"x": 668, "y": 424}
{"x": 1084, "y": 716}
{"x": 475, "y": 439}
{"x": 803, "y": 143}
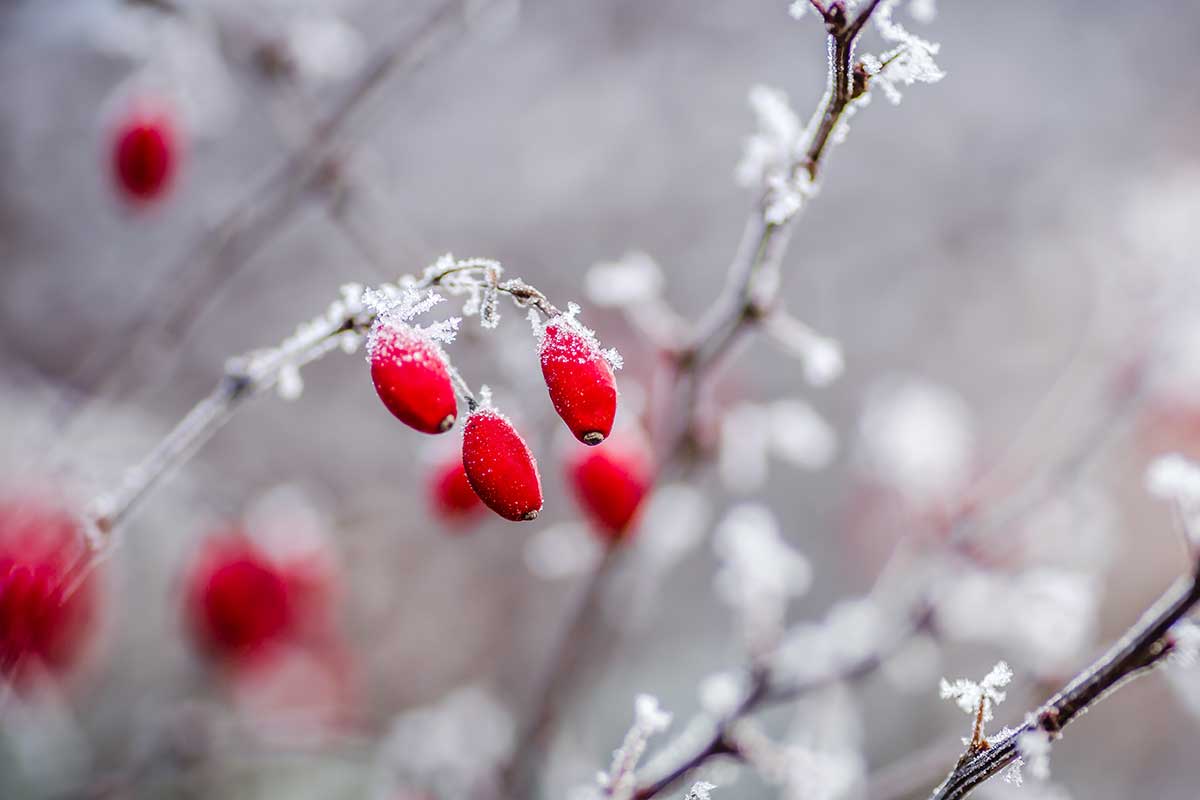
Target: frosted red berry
{"x": 450, "y": 493}
{"x": 611, "y": 482}
{"x": 500, "y": 467}
{"x": 581, "y": 382}
{"x": 412, "y": 379}
{"x": 239, "y": 603}
{"x": 47, "y": 616}
{"x": 145, "y": 155}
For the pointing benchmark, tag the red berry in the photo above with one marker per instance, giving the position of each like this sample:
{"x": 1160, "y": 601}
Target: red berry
{"x": 412, "y": 379}
{"x": 39, "y": 621}
{"x": 581, "y": 383}
{"x": 500, "y": 467}
{"x": 610, "y": 482}
{"x": 145, "y": 152}
{"x": 450, "y": 492}
{"x": 239, "y": 603}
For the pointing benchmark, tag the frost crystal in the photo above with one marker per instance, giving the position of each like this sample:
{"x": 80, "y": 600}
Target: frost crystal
{"x": 759, "y": 573}
{"x": 769, "y": 156}
{"x": 924, "y": 11}
{"x": 570, "y": 319}
{"x": 700, "y": 791}
{"x": 720, "y": 694}
{"x": 798, "y": 8}
{"x": 910, "y": 61}
{"x": 1034, "y": 747}
{"x": 918, "y": 439}
{"x": 968, "y": 694}
{"x": 649, "y": 719}
{"x": 800, "y": 436}
{"x": 1185, "y": 639}
{"x": 1174, "y": 477}
{"x": 632, "y": 279}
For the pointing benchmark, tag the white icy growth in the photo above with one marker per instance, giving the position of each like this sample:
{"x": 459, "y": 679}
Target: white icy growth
{"x": 911, "y": 60}
{"x": 769, "y": 156}
{"x": 701, "y": 790}
{"x": 759, "y": 572}
{"x": 968, "y": 694}
{"x": 1174, "y": 477}
{"x": 649, "y": 719}
{"x": 851, "y": 631}
{"x": 1046, "y": 616}
{"x": 324, "y": 47}
{"x": 565, "y": 550}
{"x": 924, "y": 11}
{"x": 917, "y": 438}
{"x": 1186, "y": 650}
{"x": 1034, "y": 747}
{"x": 632, "y": 279}
{"x": 454, "y": 747}
{"x": 720, "y": 694}
{"x": 788, "y": 429}
{"x": 821, "y": 356}
{"x": 397, "y": 307}
{"x": 477, "y": 279}
{"x": 574, "y": 350}
{"x": 290, "y": 385}
{"x": 800, "y": 436}
{"x": 798, "y": 8}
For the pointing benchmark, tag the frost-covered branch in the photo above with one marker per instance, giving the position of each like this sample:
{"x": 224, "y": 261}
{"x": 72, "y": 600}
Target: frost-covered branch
{"x": 343, "y": 326}
{"x": 1143, "y": 647}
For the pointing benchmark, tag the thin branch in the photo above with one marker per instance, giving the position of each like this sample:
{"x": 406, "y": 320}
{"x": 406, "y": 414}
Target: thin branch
{"x": 1144, "y": 646}
{"x": 171, "y": 308}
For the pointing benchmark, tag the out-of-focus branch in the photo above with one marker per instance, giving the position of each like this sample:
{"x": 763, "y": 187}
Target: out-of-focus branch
{"x": 1145, "y": 645}
{"x": 171, "y": 306}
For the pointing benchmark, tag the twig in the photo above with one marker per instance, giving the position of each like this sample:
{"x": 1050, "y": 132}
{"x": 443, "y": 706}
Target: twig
{"x": 1144, "y": 646}
{"x": 171, "y": 307}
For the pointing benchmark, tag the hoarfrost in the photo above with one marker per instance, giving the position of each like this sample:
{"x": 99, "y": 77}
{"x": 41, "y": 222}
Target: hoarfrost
{"x": 909, "y": 62}
{"x": 968, "y": 694}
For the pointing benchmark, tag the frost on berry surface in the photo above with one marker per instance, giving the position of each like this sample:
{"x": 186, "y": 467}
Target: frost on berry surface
{"x": 635, "y": 278}
{"x": 649, "y": 719}
{"x": 969, "y": 696}
{"x": 917, "y": 438}
{"x": 759, "y": 572}
{"x": 579, "y": 376}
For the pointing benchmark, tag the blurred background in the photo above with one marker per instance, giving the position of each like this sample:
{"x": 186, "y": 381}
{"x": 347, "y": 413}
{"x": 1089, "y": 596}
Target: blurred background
{"x": 1007, "y": 259}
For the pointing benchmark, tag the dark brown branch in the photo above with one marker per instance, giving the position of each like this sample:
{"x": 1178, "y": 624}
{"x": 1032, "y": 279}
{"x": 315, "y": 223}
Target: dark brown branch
{"x": 1144, "y": 646}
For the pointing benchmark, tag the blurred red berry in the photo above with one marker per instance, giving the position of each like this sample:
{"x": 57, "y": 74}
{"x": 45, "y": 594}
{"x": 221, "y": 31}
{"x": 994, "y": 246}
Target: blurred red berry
{"x": 145, "y": 155}
{"x": 500, "y": 467}
{"x": 412, "y": 379}
{"x": 451, "y": 495}
{"x": 42, "y": 621}
{"x": 239, "y": 603}
{"x": 581, "y": 383}
{"x": 610, "y": 482}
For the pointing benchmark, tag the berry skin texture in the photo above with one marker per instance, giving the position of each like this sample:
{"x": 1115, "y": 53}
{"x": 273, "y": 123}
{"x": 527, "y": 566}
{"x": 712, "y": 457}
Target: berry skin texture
{"x": 40, "y": 624}
{"x": 145, "y": 155}
{"x": 500, "y": 467}
{"x": 412, "y": 379}
{"x": 610, "y": 483}
{"x": 581, "y": 382}
{"x": 451, "y": 496}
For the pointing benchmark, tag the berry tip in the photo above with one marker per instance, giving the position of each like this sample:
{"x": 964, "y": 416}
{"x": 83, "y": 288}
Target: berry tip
{"x": 592, "y": 438}
{"x": 447, "y": 423}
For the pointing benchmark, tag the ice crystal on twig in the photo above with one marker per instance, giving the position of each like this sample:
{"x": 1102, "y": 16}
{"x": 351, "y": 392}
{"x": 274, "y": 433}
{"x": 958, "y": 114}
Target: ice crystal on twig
{"x": 700, "y": 791}
{"x": 649, "y": 719}
{"x": 909, "y": 62}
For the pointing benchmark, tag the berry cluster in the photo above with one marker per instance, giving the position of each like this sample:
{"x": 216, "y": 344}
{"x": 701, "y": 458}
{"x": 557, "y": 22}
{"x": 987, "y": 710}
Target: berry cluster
{"x": 416, "y": 382}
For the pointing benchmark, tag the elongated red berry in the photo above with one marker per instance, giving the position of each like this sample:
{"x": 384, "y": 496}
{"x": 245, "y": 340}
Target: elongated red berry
{"x": 580, "y": 379}
{"x": 611, "y": 482}
{"x": 450, "y": 493}
{"x": 47, "y": 616}
{"x": 412, "y": 379}
{"x": 239, "y": 603}
{"x": 145, "y": 154}
{"x": 500, "y": 467}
